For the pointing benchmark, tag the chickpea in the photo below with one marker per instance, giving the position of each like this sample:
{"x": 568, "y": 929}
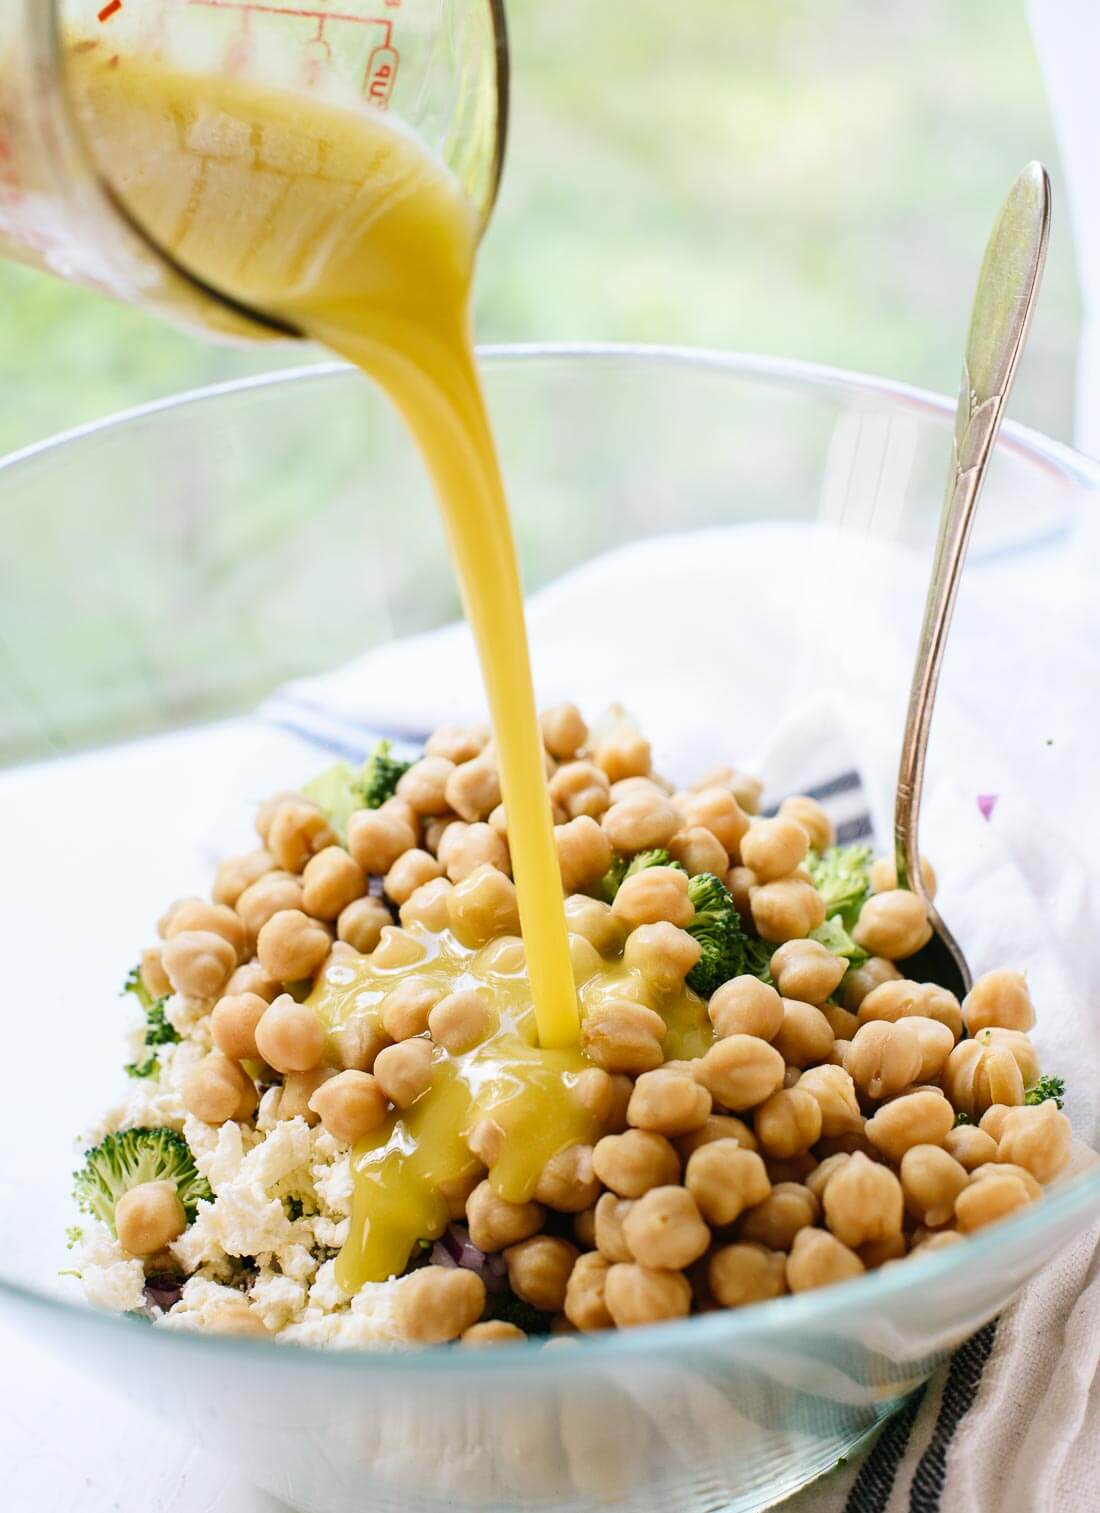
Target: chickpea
{"x": 819, "y": 1259}
{"x": 794, "y": 1169}
{"x": 474, "y": 847}
{"x": 349, "y": 1105}
{"x": 428, "y": 905}
{"x": 233, "y": 1025}
{"x": 813, "y": 819}
{"x": 624, "y": 754}
{"x": 971, "y": 1147}
{"x": 854, "y": 1140}
{"x": 609, "y": 1216}
{"x": 725, "y": 1179}
{"x": 999, "y": 999}
{"x": 985, "y": 1201}
{"x": 195, "y": 915}
{"x": 266, "y": 898}
{"x": 581, "y": 788}
{"x": 892, "y": 924}
{"x": 563, "y": 731}
{"x": 822, "y": 1174}
{"x": 298, "y": 831}
{"x": 568, "y": 1182}
{"x": 931, "y": 1180}
{"x": 154, "y": 979}
{"x": 786, "y": 910}
{"x": 859, "y": 981}
{"x": 409, "y": 872}
{"x": 492, "y": 1332}
{"x": 936, "y": 1042}
{"x": 746, "y": 1006}
{"x": 746, "y": 1273}
{"x": 663, "y": 1229}
{"x": 699, "y": 850}
{"x": 652, "y": 895}
{"x": 483, "y": 907}
{"x": 1038, "y": 1138}
{"x": 622, "y": 1087}
{"x": 291, "y": 946}
{"x": 496, "y": 1224}
{"x": 882, "y": 1252}
{"x": 424, "y": 786}
{"x": 902, "y": 999}
{"x": 584, "y": 853}
{"x": 835, "y": 1092}
{"x": 631, "y": 1163}
{"x": 377, "y": 837}
{"x": 290, "y": 1037}
{"x": 331, "y": 881}
{"x": 804, "y": 1038}
{"x": 717, "y": 1127}
{"x": 978, "y": 1075}
{"x": 805, "y": 970}
{"x": 774, "y": 848}
{"x": 941, "y": 1241}
{"x": 642, "y": 1295}
{"x": 235, "y": 1317}
{"x": 640, "y": 823}
{"x": 884, "y": 1058}
{"x": 741, "y": 883}
{"x": 717, "y": 810}
{"x": 788, "y": 1123}
{"x": 358, "y": 1042}
{"x": 236, "y": 873}
{"x": 628, "y": 788}
{"x": 585, "y": 1306}
{"x": 593, "y": 920}
{"x": 404, "y": 1071}
{"x": 1002, "y": 1168}
{"x": 621, "y": 1036}
{"x": 539, "y": 1271}
{"x": 485, "y": 1139}
{"x": 149, "y": 1217}
{"x": 215, "y": 1089}
{"x": 669, "y": 1102}
{"x": 740, "y": 1071}
{"x": 473, "y": 789}
{"x": 458, "y": 743}
{"x": 884, "y": 875}
{"x": 921, "y": 1118}
{"x": 198, "y": 963}
{"x": 270, "y": 807}
{"x": 662, "y": 954}
{"x": 461, "y": 1020}
{"x": 594, "y": 1091}
{"x": 438, "y": 1303}
{"x": 863, "y": 1202}
{"x": 789, "y": 1207}
{"x": 406, "y": 1007}
{"x": 584, "y": 1228}
{"x": 440, "y": 834}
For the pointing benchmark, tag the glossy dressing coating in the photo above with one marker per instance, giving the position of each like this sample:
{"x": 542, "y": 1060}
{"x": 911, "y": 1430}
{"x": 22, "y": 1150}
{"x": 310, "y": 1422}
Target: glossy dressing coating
{"x": 404, "y": 1171}
{"x": 338, "y": 222}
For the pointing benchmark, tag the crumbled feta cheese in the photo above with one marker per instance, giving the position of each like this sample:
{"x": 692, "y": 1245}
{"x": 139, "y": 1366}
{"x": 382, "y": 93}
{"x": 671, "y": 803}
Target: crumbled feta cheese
{"x": 111, "y": 1278}
{"x": 297, "y": 1262}
{"x": 189, "y": 1016}
{"x": 326, "y": 1292}
{"x": 334, "y": 1184}
{"x": 198, "y": 1305}
{"x": 153, "y": 1101}
{"x": 277, "y": 1299}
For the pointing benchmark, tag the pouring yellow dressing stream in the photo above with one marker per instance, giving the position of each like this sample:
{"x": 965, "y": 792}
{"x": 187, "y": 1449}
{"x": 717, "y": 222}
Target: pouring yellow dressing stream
{"x": 339, "y": 224}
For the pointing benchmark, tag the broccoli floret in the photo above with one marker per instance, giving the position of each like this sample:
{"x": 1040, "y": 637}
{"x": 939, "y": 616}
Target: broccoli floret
{"x": 758, "y": 958}
{"x": 835, "y": 938}
{"x": 961, "y": 1119}
{"x": 380, "y": 776}
{"x": 148, "y": 1067}
{"x": 134, "y": 985}
{"x": 158, "y": 1030}
{"x": 717, "y": 928}
{"x": 842, "y": 875}
{"x": 128, "y": 1158}
{"x": 73, "y": 1236}
{"x": 335, "y": 792}
{"x": 1046, "y": 1087}
{"x": 612, "y": 879}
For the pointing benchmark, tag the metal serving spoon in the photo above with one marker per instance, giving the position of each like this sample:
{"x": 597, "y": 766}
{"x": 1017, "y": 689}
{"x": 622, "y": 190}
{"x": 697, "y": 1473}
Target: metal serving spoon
{"x": 999, "y": 322}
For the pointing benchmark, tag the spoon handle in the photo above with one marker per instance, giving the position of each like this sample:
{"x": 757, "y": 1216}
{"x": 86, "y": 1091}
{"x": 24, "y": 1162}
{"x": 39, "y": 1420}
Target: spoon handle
{"x": 999, "y": 321}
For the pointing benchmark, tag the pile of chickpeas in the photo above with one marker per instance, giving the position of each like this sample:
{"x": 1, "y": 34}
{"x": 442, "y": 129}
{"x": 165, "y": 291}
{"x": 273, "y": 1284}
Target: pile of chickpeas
{"x": 841, "y": 1120}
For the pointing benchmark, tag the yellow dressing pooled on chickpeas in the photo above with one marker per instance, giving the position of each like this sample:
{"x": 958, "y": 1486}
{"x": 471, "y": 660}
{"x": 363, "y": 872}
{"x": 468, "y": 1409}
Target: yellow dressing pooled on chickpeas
{"x": 337, "y": 221}
{"x": 404, "y": 1171}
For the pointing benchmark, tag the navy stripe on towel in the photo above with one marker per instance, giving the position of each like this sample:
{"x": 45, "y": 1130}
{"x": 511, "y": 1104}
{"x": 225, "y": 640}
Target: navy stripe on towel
{"x": 872, "y": 1487}
{"x": 961, "y": 1388}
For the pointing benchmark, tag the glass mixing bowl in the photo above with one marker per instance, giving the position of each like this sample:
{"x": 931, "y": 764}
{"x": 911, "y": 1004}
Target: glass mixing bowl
{"x": 168, "y": 569}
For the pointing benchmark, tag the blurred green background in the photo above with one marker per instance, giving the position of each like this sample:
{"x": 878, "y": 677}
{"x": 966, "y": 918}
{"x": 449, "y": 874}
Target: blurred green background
{"x": 809, "y": 179}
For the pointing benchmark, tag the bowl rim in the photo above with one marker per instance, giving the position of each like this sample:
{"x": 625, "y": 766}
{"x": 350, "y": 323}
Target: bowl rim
{"x": 1057, "y": 457}
{"x": 771, "y": 1321}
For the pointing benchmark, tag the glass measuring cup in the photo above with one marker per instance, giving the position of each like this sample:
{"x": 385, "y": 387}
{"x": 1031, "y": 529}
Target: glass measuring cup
{"x": 437, "y": 67}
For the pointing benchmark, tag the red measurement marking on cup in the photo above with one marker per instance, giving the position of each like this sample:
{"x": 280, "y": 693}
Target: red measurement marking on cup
{"x": 110, "y": 9}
